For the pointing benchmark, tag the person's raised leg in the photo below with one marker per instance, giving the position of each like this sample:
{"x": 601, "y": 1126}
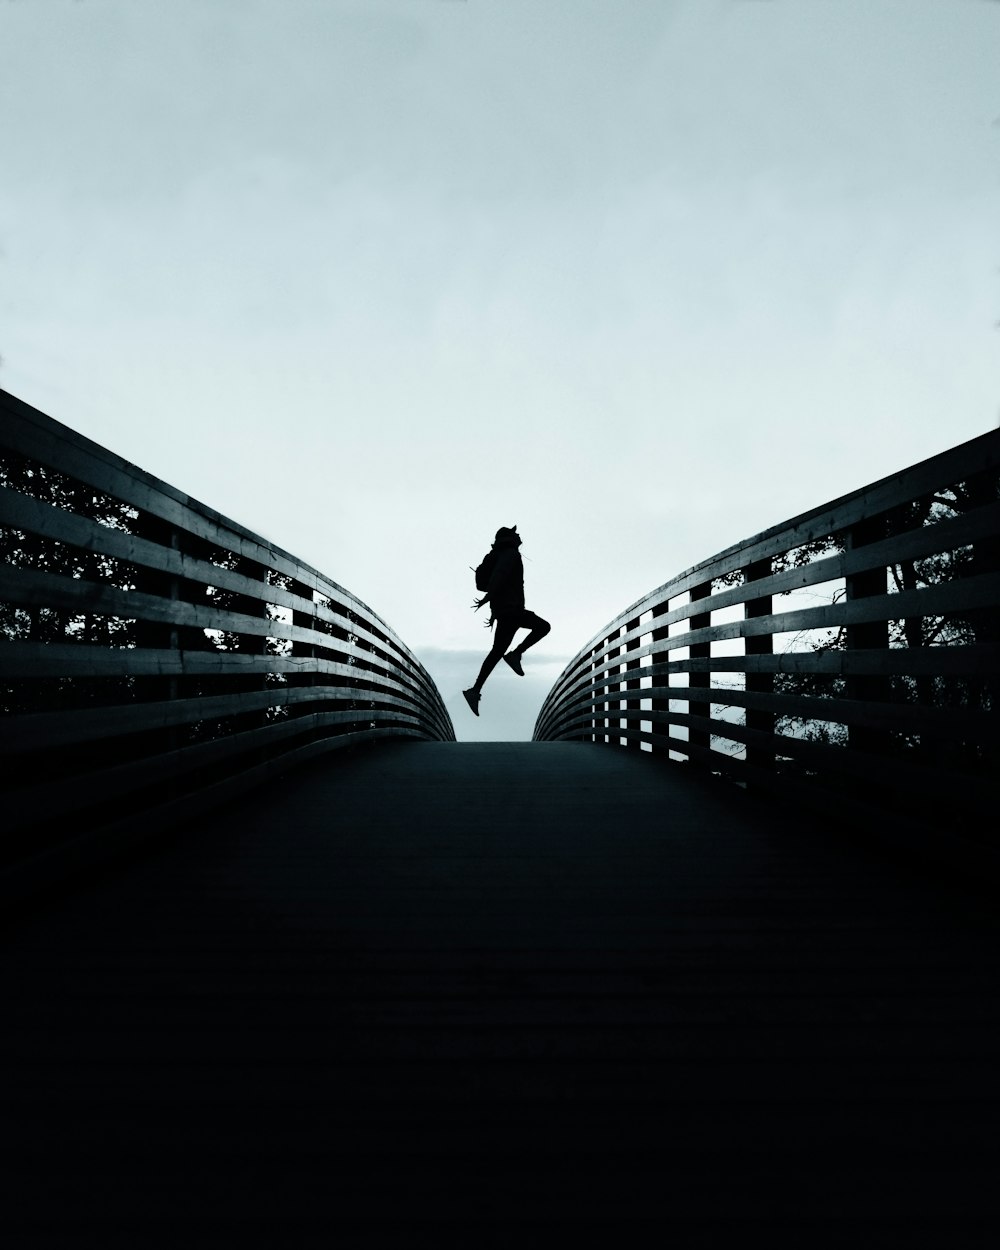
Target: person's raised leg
{"x": 539, "y": 628}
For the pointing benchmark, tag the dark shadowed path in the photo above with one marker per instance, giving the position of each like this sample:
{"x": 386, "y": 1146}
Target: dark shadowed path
{"x": 478, "y": 994}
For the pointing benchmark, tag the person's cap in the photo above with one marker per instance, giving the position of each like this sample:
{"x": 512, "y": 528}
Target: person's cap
{"x": 506, "y": 533}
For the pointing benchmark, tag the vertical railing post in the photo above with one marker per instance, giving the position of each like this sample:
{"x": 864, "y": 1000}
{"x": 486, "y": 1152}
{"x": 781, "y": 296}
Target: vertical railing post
{"x": 661, "y": 707}
{"x": 984, "y": 489}
{"x": 700, "y": 679}
{"x": 605, "y": 718}
{"x": 757, "y": 681}
{"x": 618, "y": 705}
{"x": 594, "y": 655}
{"x": 304, "y": 675}
{"x": 159, "y": 635}
{"x": 632, "y": 700}
{"x": 867, "y": 636}
{"x": 254, "y": 605}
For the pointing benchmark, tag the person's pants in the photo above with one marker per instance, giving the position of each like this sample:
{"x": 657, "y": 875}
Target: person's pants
{"x": 506, "y": 627}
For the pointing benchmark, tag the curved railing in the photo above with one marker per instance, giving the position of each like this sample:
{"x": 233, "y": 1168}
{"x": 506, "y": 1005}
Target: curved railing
{"x": 852, "y": 650}
{"x": 152, "y": 651}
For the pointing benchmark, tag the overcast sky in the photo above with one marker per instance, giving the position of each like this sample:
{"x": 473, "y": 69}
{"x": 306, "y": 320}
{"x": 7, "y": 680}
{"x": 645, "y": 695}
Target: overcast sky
{"x": 375, "y": 278}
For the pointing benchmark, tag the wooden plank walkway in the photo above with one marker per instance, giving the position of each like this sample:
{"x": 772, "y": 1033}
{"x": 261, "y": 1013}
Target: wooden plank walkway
{"x": 502, "y": 994}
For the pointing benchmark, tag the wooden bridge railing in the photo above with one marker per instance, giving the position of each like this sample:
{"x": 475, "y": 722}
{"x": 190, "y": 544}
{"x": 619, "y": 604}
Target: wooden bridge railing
{"x": 854, "y": 650}
{"x": 153, "y": 652}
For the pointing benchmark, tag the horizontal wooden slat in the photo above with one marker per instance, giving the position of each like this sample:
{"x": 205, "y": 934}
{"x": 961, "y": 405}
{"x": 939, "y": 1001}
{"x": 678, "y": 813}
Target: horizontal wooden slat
{"x": 24, "y": 660}
{"x": 24, "y": 513}
{"x": 971, "y": 724}
{"x": 114, "y": 543}
{"x": 925, "y": 661}
{"x": 962, "y": 595}
{"x": 942, "y": 536}
{"x": 893, "y": 773}
{"x": 62, "y": 797}
{"x": 52, "y": 590}
{"x": 72, "y": 659}
{"x": 831, "y": 776}
{"x": 77, "y": 659}
{"x": 41, "y": 730}
{"x": 36, "y": 588}
{"x": 974, "y": 660}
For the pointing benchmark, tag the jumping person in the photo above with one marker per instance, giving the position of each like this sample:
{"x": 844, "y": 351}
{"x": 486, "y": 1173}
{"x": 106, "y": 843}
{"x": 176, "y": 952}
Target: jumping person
{"x": 505, "y": 595}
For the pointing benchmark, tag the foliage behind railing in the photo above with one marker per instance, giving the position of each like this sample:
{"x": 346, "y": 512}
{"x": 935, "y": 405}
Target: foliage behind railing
{"x": 152, "y": 648}
{"x": 854, "y": 650}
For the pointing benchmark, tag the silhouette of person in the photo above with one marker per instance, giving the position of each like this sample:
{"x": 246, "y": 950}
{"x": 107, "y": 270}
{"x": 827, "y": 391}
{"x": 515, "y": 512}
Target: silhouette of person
{"x": 505, "y": 595}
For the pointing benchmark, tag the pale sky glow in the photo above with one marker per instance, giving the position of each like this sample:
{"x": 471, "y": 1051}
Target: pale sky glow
{"x": 375, "y": 278}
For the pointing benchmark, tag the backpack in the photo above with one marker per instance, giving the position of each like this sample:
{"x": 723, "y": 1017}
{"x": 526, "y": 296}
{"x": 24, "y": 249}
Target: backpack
{"x": 485, "y": 569}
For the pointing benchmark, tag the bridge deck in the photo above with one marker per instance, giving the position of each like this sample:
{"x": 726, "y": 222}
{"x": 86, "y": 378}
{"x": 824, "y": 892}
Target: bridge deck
{"x": 455, "y": 986}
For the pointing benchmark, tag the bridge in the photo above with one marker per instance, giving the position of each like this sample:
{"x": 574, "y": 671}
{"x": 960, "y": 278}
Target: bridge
{"x": 715, "y": 955}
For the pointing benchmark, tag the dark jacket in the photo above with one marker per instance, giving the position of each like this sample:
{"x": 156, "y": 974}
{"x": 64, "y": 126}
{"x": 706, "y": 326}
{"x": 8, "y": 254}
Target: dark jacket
{"x": 506, "y": 588}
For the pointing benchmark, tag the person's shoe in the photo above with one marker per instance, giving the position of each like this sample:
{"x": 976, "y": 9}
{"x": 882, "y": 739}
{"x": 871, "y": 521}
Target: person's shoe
{"x": 514, "y": 660}
{"x": 472, "y": 698}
